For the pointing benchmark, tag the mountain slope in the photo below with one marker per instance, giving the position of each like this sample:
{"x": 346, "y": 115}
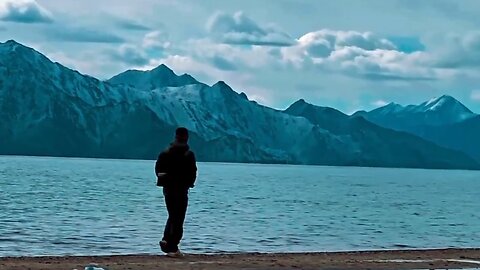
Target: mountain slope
{"x": 376, "y": 144}
{"x": 51, "y": 110}
{"x": 48, "y": 109}
{"x": 463, "y": 136}
{"x": 440, "y": 111}
{"x": 444, "y": 121}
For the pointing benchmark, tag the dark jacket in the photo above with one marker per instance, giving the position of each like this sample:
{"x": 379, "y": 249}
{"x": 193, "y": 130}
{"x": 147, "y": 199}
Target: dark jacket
{"x": 180, "y": 165}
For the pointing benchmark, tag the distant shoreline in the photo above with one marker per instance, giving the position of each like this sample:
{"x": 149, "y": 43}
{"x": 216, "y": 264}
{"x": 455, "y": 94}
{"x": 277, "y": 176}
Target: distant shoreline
{"x": 451, "y": 258}
{"x": 247, "y": 163}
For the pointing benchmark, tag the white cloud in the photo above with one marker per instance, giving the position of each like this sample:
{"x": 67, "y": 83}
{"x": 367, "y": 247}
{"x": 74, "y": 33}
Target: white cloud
{"x": 320, "y": 44}
{"x": 24, "y": 11}
{"x": 240, "y": 29}
{"x": 152, "y": 46}
{"x": 130, "y": 54}
{"x": 156, "y": 40}
{"x": 81, "y": 34}
{"x": 475, "y": 95}
{"x": 246, "y": 58}
{"x": 455, "y": 51}
{"x": 379, "y": 103}
{"x": 357, "y": 54}
{"x": 96, "y": 65}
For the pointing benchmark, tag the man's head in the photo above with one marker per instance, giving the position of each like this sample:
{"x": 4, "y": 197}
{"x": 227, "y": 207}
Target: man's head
{"x": 181, "y": 135}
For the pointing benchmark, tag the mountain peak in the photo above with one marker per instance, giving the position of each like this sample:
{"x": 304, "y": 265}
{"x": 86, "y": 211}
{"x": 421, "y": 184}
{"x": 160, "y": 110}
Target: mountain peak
{"x": 244, "y": 96}
{"x": 222, "y": 84}
{"x": 18, "y": 54}
{"x": 301, "y": 101}
{"x": 390, "y": 108}
{"x": 163, "y": 67}
{"x": 11, "y": 41}
{"x": 164, "y": 71}
{"x": 10, "y": 45}
{"x": 445, "y": 102}
{"x": 302, "y": 108}
{"x": 161, "y": 76}
{"x": 297, "y": 104}
{"x": 443, "y": 110}
{"x": 443, "y": 98}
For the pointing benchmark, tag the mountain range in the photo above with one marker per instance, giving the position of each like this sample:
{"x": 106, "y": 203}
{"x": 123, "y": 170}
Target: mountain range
{"x": 443, "y": 120}
{"x": 48, "y": 109}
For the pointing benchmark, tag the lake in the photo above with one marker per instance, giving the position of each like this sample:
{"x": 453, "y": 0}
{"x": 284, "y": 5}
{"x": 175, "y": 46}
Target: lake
{"x": 73, "y": 206}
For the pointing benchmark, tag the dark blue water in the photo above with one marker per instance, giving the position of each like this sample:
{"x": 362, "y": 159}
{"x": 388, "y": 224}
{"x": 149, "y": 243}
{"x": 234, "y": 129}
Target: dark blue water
{"x": 57, "y": 206}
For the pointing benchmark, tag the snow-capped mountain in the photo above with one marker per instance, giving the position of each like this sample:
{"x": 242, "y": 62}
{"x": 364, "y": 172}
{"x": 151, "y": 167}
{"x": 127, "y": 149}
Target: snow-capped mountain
{"x": 374, "y": 144}
{"x": 439, "y": 111}
{"x": 444, "y": 121}
{"x": 48, "y": 109}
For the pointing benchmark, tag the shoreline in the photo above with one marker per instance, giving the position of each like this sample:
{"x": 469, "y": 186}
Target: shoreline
{"x": 449, "y": 258}
{"x": 252, "y": 163}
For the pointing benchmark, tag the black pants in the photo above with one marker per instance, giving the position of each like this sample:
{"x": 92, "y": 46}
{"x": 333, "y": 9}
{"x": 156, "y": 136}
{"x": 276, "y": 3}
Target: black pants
{"x": 176, "y": 201}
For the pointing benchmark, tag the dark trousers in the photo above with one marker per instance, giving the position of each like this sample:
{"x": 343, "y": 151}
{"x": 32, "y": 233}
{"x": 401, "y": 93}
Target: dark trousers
{"x": 176, "y": 201}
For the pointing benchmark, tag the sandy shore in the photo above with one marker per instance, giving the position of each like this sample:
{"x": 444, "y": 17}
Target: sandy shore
{"x": 395, "y": 259}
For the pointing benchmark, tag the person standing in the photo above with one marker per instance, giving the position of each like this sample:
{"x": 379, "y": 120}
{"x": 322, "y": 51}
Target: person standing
{"x": 176, "y": 172}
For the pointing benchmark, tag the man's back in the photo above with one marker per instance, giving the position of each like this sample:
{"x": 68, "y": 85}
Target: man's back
{"x": 179, "y": 163}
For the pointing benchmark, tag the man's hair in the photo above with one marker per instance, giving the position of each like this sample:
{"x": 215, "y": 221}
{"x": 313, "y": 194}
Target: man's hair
{"x": 181, "y": 134}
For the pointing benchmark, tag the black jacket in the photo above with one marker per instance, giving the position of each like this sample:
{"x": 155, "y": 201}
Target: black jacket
{"x": 180, "y": 165}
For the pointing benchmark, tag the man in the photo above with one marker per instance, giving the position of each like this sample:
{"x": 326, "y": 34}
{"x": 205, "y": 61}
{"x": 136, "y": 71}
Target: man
{"x": 176, "y": 171}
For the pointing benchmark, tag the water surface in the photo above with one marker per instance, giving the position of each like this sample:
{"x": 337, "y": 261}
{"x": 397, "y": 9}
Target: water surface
{"x": 58, "y": 206}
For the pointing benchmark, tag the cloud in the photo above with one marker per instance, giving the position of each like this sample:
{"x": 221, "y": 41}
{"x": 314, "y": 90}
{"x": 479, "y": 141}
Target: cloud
{"x": 241, "y": 30}
{"x": 321, "y": 44}
{"x": 449, "y": 9}
{"x": 228, "y": 56}
{"x": 131, "y": 25}
{"x": 357, "y": 54}
{"x": 131, "y": 55}
{"x": 153, "y": 45}
{"x": 475, "y": 95}
{"x": 222, "y": 63}
{"x": 379, "y": 103}
{"x": 24, "y": 11}
{"x": 380, "y": 64}
{"x": 82, "y": 34}
{"x": 97, "y": 65}
{"x": 156, "y": 40}
{"x": 456, "y": 51}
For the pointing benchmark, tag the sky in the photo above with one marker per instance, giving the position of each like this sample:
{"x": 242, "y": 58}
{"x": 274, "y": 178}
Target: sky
{"x": 347, "y": 54}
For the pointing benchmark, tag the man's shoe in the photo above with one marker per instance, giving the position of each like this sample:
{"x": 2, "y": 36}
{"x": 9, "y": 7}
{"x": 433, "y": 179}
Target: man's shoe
{"x": 177, "y": 254}
{"x": 163, "y": 246}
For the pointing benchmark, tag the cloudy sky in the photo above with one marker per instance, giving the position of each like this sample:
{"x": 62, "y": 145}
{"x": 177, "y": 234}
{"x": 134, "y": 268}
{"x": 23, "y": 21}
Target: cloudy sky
{"x": 347, "y": 54}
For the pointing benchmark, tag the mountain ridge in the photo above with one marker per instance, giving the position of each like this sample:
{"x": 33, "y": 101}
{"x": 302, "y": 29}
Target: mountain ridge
{"x": 53, "y": 110}
{"x": 443, "y": 120}
{"x": 160, "y": 76}
{"x": 437, "y": 111}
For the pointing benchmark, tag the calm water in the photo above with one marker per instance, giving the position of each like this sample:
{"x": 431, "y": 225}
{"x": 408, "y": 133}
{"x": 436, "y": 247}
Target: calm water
{"x": 90, "y": 206}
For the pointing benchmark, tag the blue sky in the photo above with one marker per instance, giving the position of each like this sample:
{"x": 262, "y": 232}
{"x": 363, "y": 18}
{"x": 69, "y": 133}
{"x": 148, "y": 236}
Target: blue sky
{"x": 347, "y": 54}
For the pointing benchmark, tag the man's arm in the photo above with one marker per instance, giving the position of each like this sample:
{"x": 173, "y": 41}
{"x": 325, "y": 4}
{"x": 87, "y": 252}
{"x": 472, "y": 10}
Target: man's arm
{"x": 160, "y": 165}
{"x": 192, "y": 169}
